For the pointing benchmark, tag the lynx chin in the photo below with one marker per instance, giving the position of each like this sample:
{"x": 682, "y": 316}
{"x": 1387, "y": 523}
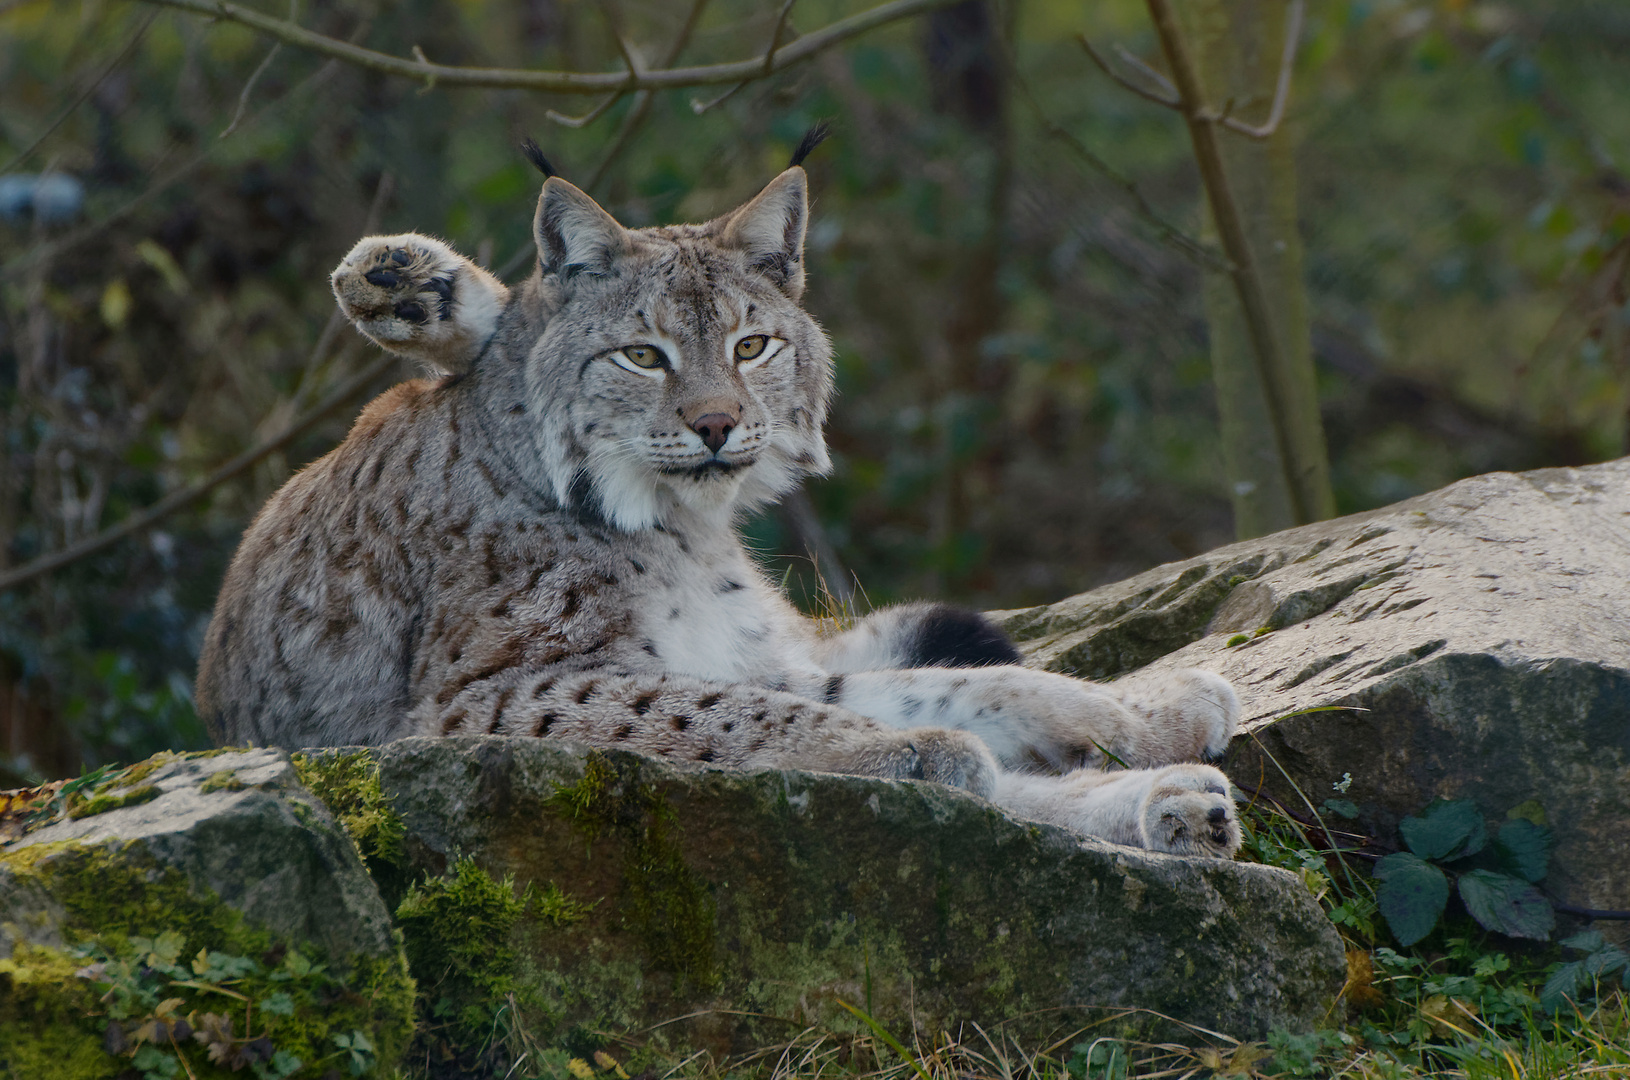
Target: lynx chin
{"x": 541, "y": 542}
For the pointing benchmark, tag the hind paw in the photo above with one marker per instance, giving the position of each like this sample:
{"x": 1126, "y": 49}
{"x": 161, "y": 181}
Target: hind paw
{"x": 1188, "y": 811}
{"x": 415, "y": 295}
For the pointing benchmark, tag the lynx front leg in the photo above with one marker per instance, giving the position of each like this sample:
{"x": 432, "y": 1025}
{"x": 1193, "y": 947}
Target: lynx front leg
{"x": 693, "y": 720}
{"x": 416, "y": 296}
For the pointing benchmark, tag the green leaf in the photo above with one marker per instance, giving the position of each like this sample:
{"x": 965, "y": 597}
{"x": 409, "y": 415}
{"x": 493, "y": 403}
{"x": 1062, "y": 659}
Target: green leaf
{"x": 1346, "y": 808}
{"x": 1586, "y": 941}
{"x": 1605, "y": 962}
{"x": 278, "y": 1004}
{"x": 1563, "y": 983}
{"x": 1446, "y": 830}
{"x": 1507, "y": 904}
{"x": 1524, "y": 849}
{"x": 1411, "y": 897}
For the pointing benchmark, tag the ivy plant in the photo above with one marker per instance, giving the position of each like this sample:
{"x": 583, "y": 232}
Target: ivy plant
{"x": 1449, "y": 844}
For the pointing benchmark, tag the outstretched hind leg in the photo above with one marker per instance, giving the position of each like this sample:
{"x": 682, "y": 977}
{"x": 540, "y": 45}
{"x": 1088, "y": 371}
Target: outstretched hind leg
{"x": 416, "y": 296}
{"x": 1182, "y": 809}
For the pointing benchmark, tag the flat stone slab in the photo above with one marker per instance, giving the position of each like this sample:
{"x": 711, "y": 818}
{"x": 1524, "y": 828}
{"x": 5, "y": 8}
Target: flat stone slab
{"x": 1478, "y": 636}
{"x": 730, "y": 910}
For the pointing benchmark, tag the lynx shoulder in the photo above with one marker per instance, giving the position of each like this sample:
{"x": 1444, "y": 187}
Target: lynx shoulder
{"x": 539, "y": 542}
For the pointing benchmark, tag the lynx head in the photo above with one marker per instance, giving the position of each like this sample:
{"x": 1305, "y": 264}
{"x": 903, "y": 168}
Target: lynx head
{"x": 676, "y": 367}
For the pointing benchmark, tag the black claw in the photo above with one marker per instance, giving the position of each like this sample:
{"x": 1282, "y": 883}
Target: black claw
{"x": 410, "y": 311}
{"x": 385, "y": 279}
{"x": 400, "y": 257}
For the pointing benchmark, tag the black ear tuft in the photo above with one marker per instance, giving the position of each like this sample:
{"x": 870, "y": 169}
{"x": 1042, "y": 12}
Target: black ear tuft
{"x": 812, "y": 138}
{"x": 535, "y": 156}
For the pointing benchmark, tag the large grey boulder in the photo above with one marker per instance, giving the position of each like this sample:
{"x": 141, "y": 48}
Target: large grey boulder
{"x": 716, "y": 908}
{"x": 1478, "y": 636}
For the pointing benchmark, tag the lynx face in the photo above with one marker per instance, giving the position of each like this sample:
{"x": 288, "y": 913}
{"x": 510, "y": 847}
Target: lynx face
{"x": 678, "y": 365}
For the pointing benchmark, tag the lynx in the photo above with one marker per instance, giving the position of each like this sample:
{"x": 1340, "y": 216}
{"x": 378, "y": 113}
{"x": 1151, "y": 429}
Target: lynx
{"x": 539, "y": 541}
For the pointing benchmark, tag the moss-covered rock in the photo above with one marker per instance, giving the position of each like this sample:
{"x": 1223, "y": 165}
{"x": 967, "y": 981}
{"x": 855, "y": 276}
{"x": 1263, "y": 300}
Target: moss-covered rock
{"x": 1473, "y": 643}
{"x": 735, "y": 908}
{"x": 205, "y": 927}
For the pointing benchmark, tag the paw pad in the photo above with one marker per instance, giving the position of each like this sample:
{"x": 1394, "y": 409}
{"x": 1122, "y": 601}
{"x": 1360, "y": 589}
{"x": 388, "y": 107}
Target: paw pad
{"x": 401, "y": 283}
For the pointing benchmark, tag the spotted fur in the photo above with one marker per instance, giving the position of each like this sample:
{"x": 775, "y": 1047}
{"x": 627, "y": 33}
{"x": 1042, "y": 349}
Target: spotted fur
{"x": 540, "y": 542}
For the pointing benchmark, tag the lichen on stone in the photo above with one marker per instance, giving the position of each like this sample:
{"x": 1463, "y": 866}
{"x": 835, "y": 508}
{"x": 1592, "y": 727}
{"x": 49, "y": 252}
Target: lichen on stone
{"x": 81, "y": 807}
{"x": 222, "y": 780}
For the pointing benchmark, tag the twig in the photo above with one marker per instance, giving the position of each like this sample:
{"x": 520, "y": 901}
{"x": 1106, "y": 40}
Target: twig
{"x": 1192, "y": 249}
{"x": 561, "y": 82}
{"x": 587, "y": 118}
{"x": 1128, "y": 57}
{"x": 1168, "y": 97}
{"x": 249, "y": 88}
{"x": 630, "y": 59}
{"x": 642, "y": 99}
{"x": 146, "y": 519}
{"x": 1281, "y": 92}
{"x": 62, "y": 117}
{"x": 699, "y": 107}
{"x": 775, "y": 38}
{"x": 1589, "y": 913}
{"x": 1266, "y": 350}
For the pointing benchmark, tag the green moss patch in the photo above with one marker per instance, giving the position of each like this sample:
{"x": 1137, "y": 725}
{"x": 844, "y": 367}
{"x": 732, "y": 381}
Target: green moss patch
{"x": 665, "y": 903}
{"x": 155, "y": 979}
{"x": 348, "y": 784}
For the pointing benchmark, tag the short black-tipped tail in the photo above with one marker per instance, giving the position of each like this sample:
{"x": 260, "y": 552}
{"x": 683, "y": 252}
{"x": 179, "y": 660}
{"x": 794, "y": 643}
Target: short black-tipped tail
{"x": 806, "y": 146}
{"x": 539, "y": 162}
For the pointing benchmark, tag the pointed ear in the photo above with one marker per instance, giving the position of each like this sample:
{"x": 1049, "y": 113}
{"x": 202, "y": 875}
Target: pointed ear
{"x": 574, "y": 235}
{"x": 770, "y": 229}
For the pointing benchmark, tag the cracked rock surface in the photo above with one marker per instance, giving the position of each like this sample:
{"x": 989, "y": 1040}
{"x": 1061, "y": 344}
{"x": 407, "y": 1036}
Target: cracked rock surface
{"x": 1483, "y": 629}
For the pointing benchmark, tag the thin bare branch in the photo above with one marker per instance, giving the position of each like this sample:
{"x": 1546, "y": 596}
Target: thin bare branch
{"x": 642, "y": 99}
{"x": 146, "y": 519}
{"x": 631, "y": 59}
{"x": 62, "y": 117}
{"x": 587, "y": 118}
{"x": 775, "y": 38}
{"x": 1128, "y": 57}
{"x": 1170, "y": 101}
{"x": 249, "y": 87}
{"x": 1190, "y": 248}
{"x": 1281, "y": 91}
{"x": 699, "y": 107}
{"x": 561, "y": 82}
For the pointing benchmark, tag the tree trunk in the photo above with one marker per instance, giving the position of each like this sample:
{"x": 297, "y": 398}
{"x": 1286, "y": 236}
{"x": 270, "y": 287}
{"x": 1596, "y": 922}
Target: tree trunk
{"x": 1273, "y": 442}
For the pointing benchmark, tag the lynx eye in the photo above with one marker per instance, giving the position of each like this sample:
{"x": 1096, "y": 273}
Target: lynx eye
{"x": 645, "y": 356}
{"x": 751, "y": 348}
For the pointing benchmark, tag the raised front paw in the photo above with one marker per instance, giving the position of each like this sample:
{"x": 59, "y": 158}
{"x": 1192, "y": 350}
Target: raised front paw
{"x": 416, "y": 296}
{"x": 1188, "y": 811}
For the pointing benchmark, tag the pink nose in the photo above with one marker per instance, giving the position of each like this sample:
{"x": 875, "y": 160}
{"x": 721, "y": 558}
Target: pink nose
{"x": 714, "y": 428}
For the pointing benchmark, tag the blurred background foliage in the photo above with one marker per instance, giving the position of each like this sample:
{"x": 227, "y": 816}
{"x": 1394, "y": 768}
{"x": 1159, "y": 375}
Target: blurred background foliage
{"x": 1025, "y": 403}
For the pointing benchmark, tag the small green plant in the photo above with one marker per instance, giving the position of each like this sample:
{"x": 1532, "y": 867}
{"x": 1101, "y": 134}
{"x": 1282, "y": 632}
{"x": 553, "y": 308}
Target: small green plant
{"x": 1570, "y": 981}
{"x": 1495, "y": 882}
